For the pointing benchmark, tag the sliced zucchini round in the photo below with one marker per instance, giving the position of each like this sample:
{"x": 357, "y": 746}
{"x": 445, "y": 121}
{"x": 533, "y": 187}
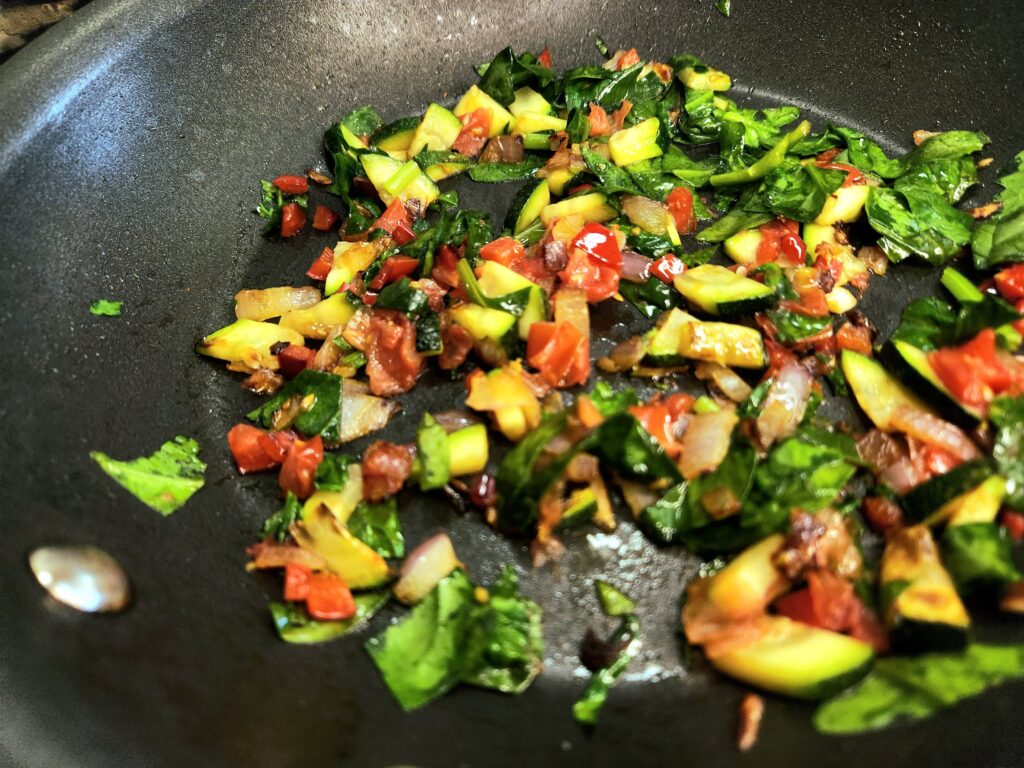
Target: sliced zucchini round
{"x": 932, "y": 495}
{"x": 912, "y": 366}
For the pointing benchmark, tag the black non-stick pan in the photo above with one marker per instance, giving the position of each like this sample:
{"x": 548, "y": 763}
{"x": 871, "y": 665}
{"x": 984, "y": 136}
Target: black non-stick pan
{"x": 132, "y": 140}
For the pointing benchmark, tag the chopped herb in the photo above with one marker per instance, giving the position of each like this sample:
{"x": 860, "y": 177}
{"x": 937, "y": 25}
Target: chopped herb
{"x": 377, "y": 525}
{"x": 163, "y": 481}
{"x": 106, "y": 308}
{"x": 276, "y": 526}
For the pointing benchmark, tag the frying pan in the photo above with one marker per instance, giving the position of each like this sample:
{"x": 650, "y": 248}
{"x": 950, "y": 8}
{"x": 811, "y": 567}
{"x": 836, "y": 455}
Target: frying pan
{"x": 132, "y": 139}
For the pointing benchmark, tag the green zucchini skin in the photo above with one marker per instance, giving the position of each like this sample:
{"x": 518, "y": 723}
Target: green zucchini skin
{"x": 904, "y": 364}
{"x": 917, "y": 636}
{"x": 932, "y": 494}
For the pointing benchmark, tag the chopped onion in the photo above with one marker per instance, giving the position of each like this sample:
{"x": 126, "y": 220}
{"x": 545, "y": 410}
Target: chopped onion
{"x": 725, "y": 379}
{"x": 934, "y": 431}
{"x": 874, "y": 258}
{"x": 273, "y": 302}
{"x": 452, "y": 421}
{"x": 650, "y": 215}
{"x": 879, "y": 449}
{"x": 279, "y": 555}
{"x": 362, "y": 414}
{"x": 706, "y": 442}
{"x": 636, "y": 268}
{"x": 902, "y": 475}
{"x": 638, "y": 497}
{"x": 784, "y": 404}
{"x": 430, "y": 562}
{"x": 625, "y": 356}
{"x": 329, "y": 353}
{"x": 556, "y": 256}
{"x": 570, "y": 306}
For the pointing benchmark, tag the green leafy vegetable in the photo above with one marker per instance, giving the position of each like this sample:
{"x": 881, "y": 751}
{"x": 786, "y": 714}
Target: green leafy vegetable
{"x": 271, "y": 202}
{"x": 276, "y": 526}
{"x": 322, "y": 417}
{"x": 519, "y": 488}
{"x": 294, "y": 624}
{"x": 1000, "y": 238}
{"x": 163, "y": 481}
{"x": 798, "y": 191}
{"x": 362, "y": 121}
{"x": 106, "y": 308}
{"x": 377, "y": 525}
{"x": 731, "y": 223}
{"x": 508, "y": 72}
{"x": 904, "y": 689}
{"x": 432, "y": 453}
{"x": 614, "y": 602}
{"x": 610, "y": 401}
{"x": 332, "y": 474}
{"x": 978, "y": 554}
{"x": 496, "y": 173}
{"x": 624, "y": 446}
{"x": 403, "y": 297}
{"x": 1007, "y": 416}
{"x": 792, "y": 326}
{"x": 587, "y": 709}
{"x": 767, "y": 163}
{"x": 724, "y": 7}
{"x": 917, "y": 222}
{"x": 612, "y": 178}
{"x": 651, "y": 298}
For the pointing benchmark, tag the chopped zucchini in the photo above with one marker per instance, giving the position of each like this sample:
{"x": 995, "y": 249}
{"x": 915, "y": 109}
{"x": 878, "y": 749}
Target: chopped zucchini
{"x": 483, "y": 322}
{"x": 704, "y": 78}
{"x": 349, "y": 260}
{"x": 980, "y": 505}
{"x": 663, "y": 341}
{"x": 579, "y": 508}
{"x": 359, "y": 565}
{"x": 559, "y": 178}
{"x": 384, "y": 172}
{"x": 911, "y": 364}
{"x": 498, "y": 280}
{"x": 798, "y": 660}
{"x": 723, "y": 343}
{"x": 528, "y": 100}
{"x": 640, "y": 142}
{"x": 441, "y": 171}
{"x": 341, "y": 503}
{"x": 438, "y": 130}
{"x": 248, "y": 342}
{"x": 840, "y": 301}
{"x": 922, "y": 608}
{"x": 467, "y": 450}
{"x": 476, "y": 99}
{"x": 527, "y": 205}
{"x": 933, "y": 495}
{"x": 845, "y": 204}
{"x": 316, "y": 322}
{"x": 747, "y": 585}
{"x": 534, "y": 122}
{"x": 876, "y": 391}
{"x": 590, "y": 207}
{"x": 742, "y": 247}
{"x": 720, "y": 291}
{"x": 395, "y": 138}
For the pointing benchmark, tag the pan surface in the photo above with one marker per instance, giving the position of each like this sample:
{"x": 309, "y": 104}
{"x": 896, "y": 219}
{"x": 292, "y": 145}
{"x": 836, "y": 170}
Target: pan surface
{"x": 132, "y": 139}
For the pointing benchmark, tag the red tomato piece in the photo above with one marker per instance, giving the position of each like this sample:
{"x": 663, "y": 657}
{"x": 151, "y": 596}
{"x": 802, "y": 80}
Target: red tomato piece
{"x": 628, "y": 59}
{"x": 678, "y": 404}
{"x": 294, "y": 359}
{"x": 971, "y": 371}
{"x": 329, "y": 598}
{"x": 1019, "y": 325}
{"x": 781, "y": 237}
{"x": 296, "y": 581}
{"x": 544, "y": 59}
{"x": 1010, "y": 283}
{"x": 321, "y": 268}
{"x": 293, "y": 219}
{"x": 797, "y": 606}
{"x": 553, "y": 349}
{"x": 597, "y": 280}
{"x": 476, "y": 126}
{"x": 600, "y": 244}
{"x": 254, "y": 449}
{"x": 505, "y": 250}
{"x": 854, "y": 337}
{"x": 394, "y": 216}
{"x": 1013, "y": 522}
{"x": 292, "y": 185}
{"x": 600, "y": 125}
{"x": 324, "y": 219}
{"x": 299, "y": 468}
{"x": 658, "y": 420}
{"x": 832, "y": 599}
{"x": 667, "y": 267}
{"x": 680, "y": 205}
{"x": 446, "y": 267}
{"x": 882, "y": 514}
{"x": 393, "y": 270}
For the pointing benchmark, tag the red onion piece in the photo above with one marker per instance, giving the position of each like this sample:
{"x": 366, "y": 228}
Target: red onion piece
{"x": 430, "y": 562}
{"x": 636, "y": 268}
{"x": 785, "y": 404}
{"x": 706, "y": 442}
{"x": 934, "y": 431}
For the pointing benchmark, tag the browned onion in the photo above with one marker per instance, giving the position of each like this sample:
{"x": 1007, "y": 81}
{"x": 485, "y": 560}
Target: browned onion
{"x": 452, "y": 421}
{"x": 934, "y": 431}
{"x": 880, "y": 449}
{"x": 273, "y": 302}
{"x": 625, "y": 356}
{"x": 362, "y": 414}
{"x": 784, "y": 404}
{"x": 636, "y": 268}
{"x": 726, "y": 380}
{"x": 555, "y": 255}
{"x": 902, "y": 475}
{"x": 706, "y": 442}
{"x": 650, "y": 215}
{"x": 503, "y": 149}
{"x": 279, "y": 555}
{"x": 329, "y": 353}
{"x": 425, "y": 566}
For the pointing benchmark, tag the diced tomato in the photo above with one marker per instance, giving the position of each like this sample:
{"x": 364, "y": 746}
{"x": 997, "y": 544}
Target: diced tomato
{"x": 865, "y": 626}
{"x": 781, "y": 237}
{"x": 321, "y": 268}
{"x": 476, "y": 126}
{"x": 294, "y": 359}
{"x": 1010, "y": 283}
{"x": 855, "y": 337}
{"x": 667, "y": 267}
{"x": 296, "y": 581}
{"x": 832, "y": 598}
{"x": 882, "y": 514}
{"x": 597, "y": 280}
{"x": 680, "y": 205}
{"x": 554, "y": 350}
{"x": 544, "y": 59}
{"x": 579, "y": 188}
{"x": 329, "y": 598}
{"x": 600, "y": 125}
{"x": 587, "y": 412}
{"x": 292, "y": 185}
{"x": 1013, "y": 522}
{"x": 600, "y": 244}
{"x": 504, "y": 250}
{"x": 392, "y": 362}
{"x": 938, "y": 461}
{"x": 778, "y": 356}
{"x": 797, "y": 606}
{"x": 678, "y": 404}
{"x": 446, "y": 267}
{"x": 618, "y": 117}
{"x": 392, "y": 270}
{"x": 393, "y": 217}
{"x": 324, "y": 219}
{"x": 299, "y": 468}
{"x": 403, "y": 234}
{"x": 1019, "y": 325}
{"x": 971, "y": 371}
{"x": 293, "y": 219}
{"x": 853, "y": 175}
{"x": 813, "y": 302}
{"x": 385, "y": 468}
{"x": 657, "y": 419}
{"x": 628, "y": 59}
{"x": 255, "y": 449}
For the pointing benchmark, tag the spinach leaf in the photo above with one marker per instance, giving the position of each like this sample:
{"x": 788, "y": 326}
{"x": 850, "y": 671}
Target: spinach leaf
{"x": 734, "y": 221}
{"x": 432, "y": 453}
{"x": 362, "y": 121}
{"x": 271, "y": 203}
{"x": 294, "y": 624}
{"x": 588, "y": 707}
{"x": 978, "y": 554}
{"x": 925, "y": 322}
{"x": 1000, "y": 238}
{"x": 519, "y": 487}
{"x": 949, "y": 177}
{"x": 917, "y": 222}
{"x": 613, "y": 179}
{"x": 679, "y": 164}
{"x": 106, "y": 308}
{"x": 611, "y": 402}
{"x": 903, "y": 689}
{"x": 508, "y": 72}
{"x": 332, "y": 474}
{"x": 428, "y": 334}
{"x": 322, "y": 418}
{"x": 792, "y": 326}
{"x": 496, "y": 173}
{"x": 403, "y": 297}
{"x": 651, "y": 298}
{"x": 608, "y": 88}
{"x": 377, "y": 525}
{"x": 724, "y": 7}
{"x": 578, "y": 126}
{"x": 1007, "y": 416}
{"x": 623, "y": 445}
{"x": 799, "y": 191}
{"x": 614, "y": 602}
{"x": 163, "y": 481}
{"x": 664, "y": 521}
{"x": 276, "y": 526}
